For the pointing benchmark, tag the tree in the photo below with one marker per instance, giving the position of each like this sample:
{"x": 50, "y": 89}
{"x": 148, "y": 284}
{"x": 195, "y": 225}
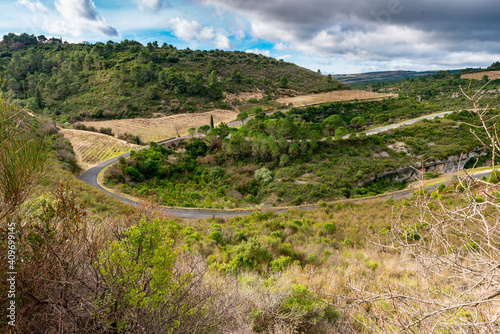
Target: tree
{"x": 294, "y": 150}
{"x": 264, "y": 175}
{"x": 242, "y": 117}
{"x": 204, "y": 129}
{"x": 283, "y": 83}
{"x": 358, "y": 122}
{"x": 191, "y": 131}
{"x": 340, "y": 132}
{"x": 284, "y": 160}
{"x": 211, "y": 121}
{"x": 221, "y": 132}
{"x": 237, "y": 147}
{"x": 331, "y": 123}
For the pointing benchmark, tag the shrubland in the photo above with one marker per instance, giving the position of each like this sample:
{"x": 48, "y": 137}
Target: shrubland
{"x": 283, "y": 158}
{"x": 421, "y": 265}
{"x": 75, "y": 82}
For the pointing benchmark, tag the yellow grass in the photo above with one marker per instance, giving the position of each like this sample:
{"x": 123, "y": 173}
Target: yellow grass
{"x": 156, "y": 129}
{"x": 92, "y": 148}
{"x": 480, "y": 75}
{"x": 335, "y": 96}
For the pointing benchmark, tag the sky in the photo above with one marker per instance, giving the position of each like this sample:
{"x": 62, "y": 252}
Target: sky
{"x": 334, "y": 36}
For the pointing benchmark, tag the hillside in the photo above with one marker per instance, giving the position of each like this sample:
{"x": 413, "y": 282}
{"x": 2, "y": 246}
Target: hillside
{"x": 381, "y": 76}
{"x": 442, "y": 89}
{"x": 340, "y": 268}
{"x": 75, "y": 82}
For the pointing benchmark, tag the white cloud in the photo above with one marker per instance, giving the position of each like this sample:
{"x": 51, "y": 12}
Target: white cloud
{"x": 222, "y": 42}
{"x": 380, "y": 31}
{"x": 153, "y": 5}
{"x": 266, "y": 53}
{"x": 35, "y": 6}
{"x": 193, "y": 31}
{"x": 185, "y": 29}
{"x": 78, "y": 16}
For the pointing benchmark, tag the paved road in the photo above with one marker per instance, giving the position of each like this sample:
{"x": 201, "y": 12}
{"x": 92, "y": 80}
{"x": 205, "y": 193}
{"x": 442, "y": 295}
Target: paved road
{"x": 90, "y": 177}
{"x": 407, "y": 122}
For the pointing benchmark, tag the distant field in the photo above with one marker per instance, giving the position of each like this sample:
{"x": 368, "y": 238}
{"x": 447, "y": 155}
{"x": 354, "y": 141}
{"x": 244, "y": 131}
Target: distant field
{"x": 156, "y": 129}
{"x": 480, "y": 75}
{"x": 92, "y": 148}
{"x": 335, "y": 96}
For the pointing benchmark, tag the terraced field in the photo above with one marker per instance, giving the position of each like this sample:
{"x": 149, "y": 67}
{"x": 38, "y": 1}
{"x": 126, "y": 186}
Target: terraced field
{"x": 156, "y": 129}
{"x": 335, "y": 96}
{"x": 92, "y": 148}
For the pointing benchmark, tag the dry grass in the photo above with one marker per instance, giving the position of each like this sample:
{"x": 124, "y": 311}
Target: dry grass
{"x": 480, "y": 75}
{"x": 156, "y": 129}
{"x": 335, "y": 96}
{"x": 92, "y": 148}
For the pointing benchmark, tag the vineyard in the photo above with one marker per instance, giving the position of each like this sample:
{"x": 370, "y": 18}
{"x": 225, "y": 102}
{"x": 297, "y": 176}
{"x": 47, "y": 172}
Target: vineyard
{"x": 156, "y": 129}
{"x": 335, "y": 96}
{"x": 92, "y": 148}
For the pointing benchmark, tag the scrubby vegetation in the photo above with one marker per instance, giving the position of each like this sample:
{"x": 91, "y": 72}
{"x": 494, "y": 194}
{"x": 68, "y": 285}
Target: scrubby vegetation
{"x": 85, "y": 264}
{"x": 74, "y": 82}
{"x": 281, "y": 159}
{"x": 442, "y": 89}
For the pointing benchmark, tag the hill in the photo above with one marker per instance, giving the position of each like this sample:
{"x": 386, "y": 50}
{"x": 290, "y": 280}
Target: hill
{"x": 442, "y": 89}
{"x": 75, "y": 82}
{"x": 378, "y": 76}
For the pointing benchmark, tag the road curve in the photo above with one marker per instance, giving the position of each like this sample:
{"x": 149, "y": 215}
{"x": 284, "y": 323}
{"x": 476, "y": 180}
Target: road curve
{"x": 90, "y": 177}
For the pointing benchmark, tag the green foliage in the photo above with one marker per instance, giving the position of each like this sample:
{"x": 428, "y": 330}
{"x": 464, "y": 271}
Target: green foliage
{"x": 493, "y": 177}
{"x": 197, "y": 148}
{"x": 127, "y": 79}
{"x": 280, "y": 264}
{"x": 250, "y": 255}
{"x": 358, "y": 122}
{"x": 264, "y": 175}
{"x": 340, "y": 132}
{"x": 330, "y": 227}
{"x": 331, "y": 123}
{"x": 242, "y": 117}
{"x": 204, "y": 129}
{"x": 23, "y": 157}
{"x": 138, "y": 271}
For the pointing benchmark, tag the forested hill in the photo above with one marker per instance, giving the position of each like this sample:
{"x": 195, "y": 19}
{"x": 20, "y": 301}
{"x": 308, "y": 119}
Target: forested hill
{"x": 127, "y": 79}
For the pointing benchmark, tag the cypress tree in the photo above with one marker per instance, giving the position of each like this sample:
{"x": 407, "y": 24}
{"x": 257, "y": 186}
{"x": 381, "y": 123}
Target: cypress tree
{"x": 211, "y": 122}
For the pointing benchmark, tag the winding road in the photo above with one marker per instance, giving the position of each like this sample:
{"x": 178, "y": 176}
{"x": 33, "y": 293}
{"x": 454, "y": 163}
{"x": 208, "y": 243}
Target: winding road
{"x": 90, "y": 177}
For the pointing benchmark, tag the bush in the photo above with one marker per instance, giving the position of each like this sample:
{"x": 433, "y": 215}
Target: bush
{"x": 330, "y": 227}
{"x": 264, "y": 175}
{"x": 281, "y": 263}
{"x": 250, "y": 255}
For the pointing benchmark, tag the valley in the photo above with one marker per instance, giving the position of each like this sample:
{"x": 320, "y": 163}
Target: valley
{"x": 155, "y": 189}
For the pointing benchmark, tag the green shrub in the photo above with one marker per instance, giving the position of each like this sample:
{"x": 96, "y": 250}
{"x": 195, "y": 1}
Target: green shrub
{"x": 250, "y": 255}
{"x": 281, "y": 263}
{"x": 330, "y": 227}
{"x": 372, "y": 264}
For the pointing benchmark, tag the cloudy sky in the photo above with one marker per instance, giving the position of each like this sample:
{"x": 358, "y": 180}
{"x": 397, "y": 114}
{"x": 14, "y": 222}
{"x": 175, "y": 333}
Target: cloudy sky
{"x": 335, "y": 36}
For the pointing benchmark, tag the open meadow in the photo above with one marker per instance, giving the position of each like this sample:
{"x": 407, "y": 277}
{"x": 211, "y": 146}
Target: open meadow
{"x": 156, "y": 129}
{"x": 335, "y": 96}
